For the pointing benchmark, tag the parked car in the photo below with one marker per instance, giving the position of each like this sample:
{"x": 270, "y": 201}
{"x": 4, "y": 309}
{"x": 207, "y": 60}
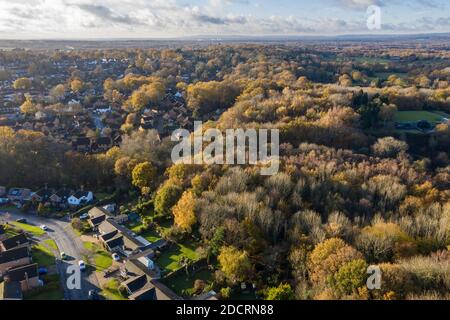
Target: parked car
{"x": 115, "y": 257}
{"x": 21, "y": 220}
{"x": 93, "y": 295}
{"x": 44, "y": 227}
{"x": 42, "y": 271}
{"x": 82, "y": 265}
{"x": 63, "y": 256}
{"x": 84, "y": 216}
{"x": 4, "y": 201}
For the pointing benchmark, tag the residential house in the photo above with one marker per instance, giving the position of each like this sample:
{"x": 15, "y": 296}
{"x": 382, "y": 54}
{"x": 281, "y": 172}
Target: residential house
{"x": 15, "y": 257}
{"x": 96, "y": 216}
{"x": 42, "y": 195}
{"x": 15, "y": 241}
{"x": 101, "y": 144}
{"x": 80, "y": 198}
{"x": 141, "y": 287}
{"x": 27, "y": 276}
{"x": 81, "y": 144}
{"x": 118, "y": 238}
{"x": 19, "y": 194}
{"x": 11, "y": 290}
{"x": 134, "y": 284}
{"x": 60, "y": 198}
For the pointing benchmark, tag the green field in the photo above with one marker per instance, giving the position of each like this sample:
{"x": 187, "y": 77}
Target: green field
{"x": 183, "y": 282}
{"x": 42, "y": 255}
{"x": 36, "y": 231}
{"x": 410, "y": 116}
{"x": 169, "y": 260}
{"x": 101, "y": 259}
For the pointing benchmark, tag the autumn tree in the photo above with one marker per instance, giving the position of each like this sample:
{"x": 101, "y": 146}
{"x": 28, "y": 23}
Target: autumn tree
{"x": 184, "y": 211}
{"x": 76, "y": 85}
{"x": 22, "y": 84}
{"x": 234, "y": 263}
{"x": 167, "y": 196}
{"x": 283, "y": 292}
{"x": 143, "y": 175}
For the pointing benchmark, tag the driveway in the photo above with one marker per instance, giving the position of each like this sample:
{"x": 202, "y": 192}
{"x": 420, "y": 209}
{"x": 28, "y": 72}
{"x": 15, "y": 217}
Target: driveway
{"x": 66, "y": 239}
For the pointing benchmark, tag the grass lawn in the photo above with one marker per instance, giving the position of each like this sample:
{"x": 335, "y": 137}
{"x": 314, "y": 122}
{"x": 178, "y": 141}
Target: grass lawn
{"x": 36, "y": 231}
{"x": 42, "y": 255}
{"x": 183, "y": 282}
{"x": 50, "y": 291}
{"x": 51, "y": 243}
{"x": 8, "y": 207}
{"x": 151, "y": 236}
{"x": 111, "y": 290}
{"x": 404, "y": 116}
{"x": 169, "y": 259}
{"x": 101, "y": 259}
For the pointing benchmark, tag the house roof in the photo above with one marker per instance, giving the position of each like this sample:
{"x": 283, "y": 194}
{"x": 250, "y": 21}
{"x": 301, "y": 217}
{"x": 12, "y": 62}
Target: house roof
{"x": 136, "y": 283}
{"x": 97, "y": 215}
{"x": 116, "y": 241}
{"x": 15, "y": 241}
{"x": 146, "y": 293}
{"x": 79, "y": 194}
{"x": 163, "y": 292}
{"x": 11, "y": 290}
{"x": 18, "y": 274}
{"x": 14, "y": 254}
{"x": 43, "y": 193}
{"x": 63, "y": 193}
{"x": 104, "y": 141}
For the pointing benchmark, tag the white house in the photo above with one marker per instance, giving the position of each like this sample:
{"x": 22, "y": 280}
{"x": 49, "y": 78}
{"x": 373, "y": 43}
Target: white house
{"x": 80, "y": 197}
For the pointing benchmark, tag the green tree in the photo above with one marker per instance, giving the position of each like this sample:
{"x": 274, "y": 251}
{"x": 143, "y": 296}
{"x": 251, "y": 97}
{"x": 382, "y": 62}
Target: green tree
{"x": 143, "y": 175}
{"x": 166, "y": 197}
{"x": 282, "y": 292}
{"x": 234, "y": 263}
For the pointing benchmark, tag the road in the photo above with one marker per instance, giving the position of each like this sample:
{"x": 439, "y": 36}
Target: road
{"x": 69, "y": 243}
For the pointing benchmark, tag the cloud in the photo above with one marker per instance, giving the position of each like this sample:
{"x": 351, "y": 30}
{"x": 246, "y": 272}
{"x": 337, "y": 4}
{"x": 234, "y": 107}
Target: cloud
{"x": 106, "y": 14}
{"x": 165, "y": 18}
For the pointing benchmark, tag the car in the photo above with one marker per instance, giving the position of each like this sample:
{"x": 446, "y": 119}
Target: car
{"x": 84, "y": 216}
{"x": 93, "y": 295}
{"x": 82, "y": 265}
{"x": 44, "y": 227}
{"x": 21, "y": 220}
{"x": 42, "y": 271}
{"x": 115, "y": 257}
{"x": 4, "y": 201}
{"x": 63, "y": 256}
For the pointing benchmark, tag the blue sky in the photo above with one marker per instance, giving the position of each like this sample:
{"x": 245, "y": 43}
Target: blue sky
{"x": 175, "y": 18}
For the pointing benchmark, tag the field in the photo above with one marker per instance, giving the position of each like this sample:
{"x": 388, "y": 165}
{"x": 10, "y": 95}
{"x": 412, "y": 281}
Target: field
{"x": 407, "y": 116}
{"x": 42, "y": 255}
{"x": 100, "y": 259}
{"x": 169, "y": 260}
{"x": 182, "y": 281}
{"x": 34, "y": 230}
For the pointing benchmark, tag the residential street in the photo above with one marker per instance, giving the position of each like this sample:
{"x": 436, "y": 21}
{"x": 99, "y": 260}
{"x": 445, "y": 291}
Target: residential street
{"x": 67, "y": 241}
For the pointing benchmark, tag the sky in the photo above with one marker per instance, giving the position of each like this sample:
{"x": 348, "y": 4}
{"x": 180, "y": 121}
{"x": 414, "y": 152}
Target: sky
{"x": 95, "y": 19}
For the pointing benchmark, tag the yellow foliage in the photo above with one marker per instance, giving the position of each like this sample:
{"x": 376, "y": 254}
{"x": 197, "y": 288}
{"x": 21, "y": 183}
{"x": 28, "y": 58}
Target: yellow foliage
{"x": 184, "y": 211}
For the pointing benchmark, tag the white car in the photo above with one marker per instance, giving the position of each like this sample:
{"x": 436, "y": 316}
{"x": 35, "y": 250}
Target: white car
{"x": 82, "y": 265}
{"x": 84, "y": 216}
{"x": 44, "y": 227}
{"x": 115, "y": 257}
